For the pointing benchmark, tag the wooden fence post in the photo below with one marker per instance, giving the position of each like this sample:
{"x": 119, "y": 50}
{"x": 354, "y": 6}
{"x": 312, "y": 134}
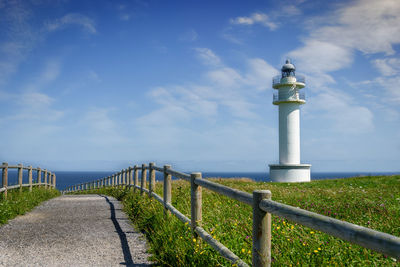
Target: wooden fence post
{"x": 143, "y": 181}
{"x": 195, "y": 201}
{"x": 50, "y": 179}
{"x": 136, "y": 174}
{"x": 124, "y": 176}
{"x": 261, "y": 230}
{"x": 130, "y": 176}
{"x": 39, "y": 177}
{"x": 5, "y": 178}
{"x": 152, "y": 178}
{"x": 167, "y": 189}
{"x": 20, "y": 170}
{"x": 54, "y": 181}
{"x": 30, "y": 178}
{"x": 45, "y": 178}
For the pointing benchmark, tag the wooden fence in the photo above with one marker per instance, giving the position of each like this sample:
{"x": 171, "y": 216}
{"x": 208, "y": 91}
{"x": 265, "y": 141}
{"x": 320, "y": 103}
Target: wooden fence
{"x": 49, "y": 178}
{"x": 262, "y": 205}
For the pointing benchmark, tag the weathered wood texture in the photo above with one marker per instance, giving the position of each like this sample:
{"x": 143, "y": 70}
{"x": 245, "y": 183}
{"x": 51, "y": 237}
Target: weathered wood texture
{"x": 167, "y": 188}
{"x": 4, "y": 180}
{"x": 226, "y": 191}
{"x": 261, "y": 230}
{"x": 195, "y": 201}
{"x": 152, "y": 178}
{"x": 179, "y": 175}
{"x": 143, "y": 179}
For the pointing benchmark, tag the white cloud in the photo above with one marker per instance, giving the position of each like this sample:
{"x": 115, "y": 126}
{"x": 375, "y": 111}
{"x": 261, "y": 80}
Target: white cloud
{"x": 392, "y": 89}
{"x": 321, "y": 57}
{"x": 207, "y": 56}
{"x": 388, "y": 66}
{"x": 341, "y": 113}
{"x": 255, "y": 18}
{"x": 35, "y": 100}
{"x": 260, "y": 74}
{"x": 367, "y": 26}
{"x": 72, "y": 19}
{"x": 225, "y": 77}
{"x": 188, "y": 110}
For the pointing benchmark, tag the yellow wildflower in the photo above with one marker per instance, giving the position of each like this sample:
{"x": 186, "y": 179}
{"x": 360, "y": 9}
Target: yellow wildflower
{"x": 292, "y": 227}
{"x": 311, "y": 232}
{"x": 278, "y": 227}
{"x": 194, "y": 240}
{"x": 243, "y": 250}
{"x": 316, "y": 251}
{"x": 319, "y": 248}
{"x": 249, "y": 252}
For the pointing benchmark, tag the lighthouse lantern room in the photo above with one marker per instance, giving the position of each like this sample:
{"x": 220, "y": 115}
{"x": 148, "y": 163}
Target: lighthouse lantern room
{"x": 288, "y": 98}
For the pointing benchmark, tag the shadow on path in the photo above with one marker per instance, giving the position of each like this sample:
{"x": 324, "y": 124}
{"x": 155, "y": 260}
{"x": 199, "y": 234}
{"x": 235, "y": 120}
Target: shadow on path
{"x": 122, "y": 237}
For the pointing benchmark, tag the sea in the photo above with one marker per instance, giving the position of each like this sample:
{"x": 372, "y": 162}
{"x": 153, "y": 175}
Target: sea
{"x": 68, "y": 178}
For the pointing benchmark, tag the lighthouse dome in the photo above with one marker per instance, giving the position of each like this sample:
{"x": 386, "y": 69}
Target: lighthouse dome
{"x": 288, "y": 66}
{"x": 288, "y": 69}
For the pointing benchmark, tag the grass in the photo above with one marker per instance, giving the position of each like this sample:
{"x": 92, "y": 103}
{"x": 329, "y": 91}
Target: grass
{"x": 19, "y": 203}
{"x": 372, "y": 202}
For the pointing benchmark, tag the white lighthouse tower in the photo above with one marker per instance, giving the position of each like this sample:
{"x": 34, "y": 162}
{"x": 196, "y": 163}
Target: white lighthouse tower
{"x": 288, "y": 98}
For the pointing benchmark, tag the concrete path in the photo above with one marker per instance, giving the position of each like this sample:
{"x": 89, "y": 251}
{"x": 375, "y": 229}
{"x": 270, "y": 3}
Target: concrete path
{"x": 81, "y": 230}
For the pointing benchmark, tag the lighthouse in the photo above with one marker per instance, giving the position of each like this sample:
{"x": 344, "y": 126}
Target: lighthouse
{"x": 288, "y": 98}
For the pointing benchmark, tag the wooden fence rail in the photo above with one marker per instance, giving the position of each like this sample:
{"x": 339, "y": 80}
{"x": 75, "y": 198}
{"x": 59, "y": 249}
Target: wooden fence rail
{"x": 262, "y": 205}
{"x": 49, "y": 178}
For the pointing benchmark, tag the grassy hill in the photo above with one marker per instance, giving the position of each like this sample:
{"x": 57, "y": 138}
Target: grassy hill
{"x": 372, "y": 202}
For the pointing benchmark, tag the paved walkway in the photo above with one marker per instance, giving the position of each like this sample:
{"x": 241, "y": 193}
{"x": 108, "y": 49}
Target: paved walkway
{"x": 73, "y": 230}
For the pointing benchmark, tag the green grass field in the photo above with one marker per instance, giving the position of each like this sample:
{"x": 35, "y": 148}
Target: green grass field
{"x": 372, "y": 202}
{"x": 19, "y": 203}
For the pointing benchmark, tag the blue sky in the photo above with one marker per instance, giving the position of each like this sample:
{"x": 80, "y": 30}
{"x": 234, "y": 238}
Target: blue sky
{"x": 98, "y": 85}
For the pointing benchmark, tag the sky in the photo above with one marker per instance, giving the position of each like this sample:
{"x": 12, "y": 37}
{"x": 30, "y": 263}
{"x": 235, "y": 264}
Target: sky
{"x": 101, "y": 85}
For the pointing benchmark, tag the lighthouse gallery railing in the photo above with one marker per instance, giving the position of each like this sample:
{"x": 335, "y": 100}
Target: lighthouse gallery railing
{"x": 277, "y": 79}
{"x": 262, "y": 205}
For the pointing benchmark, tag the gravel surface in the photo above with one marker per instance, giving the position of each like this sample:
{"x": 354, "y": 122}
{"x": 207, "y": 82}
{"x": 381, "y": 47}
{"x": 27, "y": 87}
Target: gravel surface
{"x": 73, "y": 230}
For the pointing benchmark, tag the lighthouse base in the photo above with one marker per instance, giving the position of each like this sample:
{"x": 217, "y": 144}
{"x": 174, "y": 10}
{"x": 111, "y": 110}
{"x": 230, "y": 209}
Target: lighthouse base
{"x": 289, "y": 173}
